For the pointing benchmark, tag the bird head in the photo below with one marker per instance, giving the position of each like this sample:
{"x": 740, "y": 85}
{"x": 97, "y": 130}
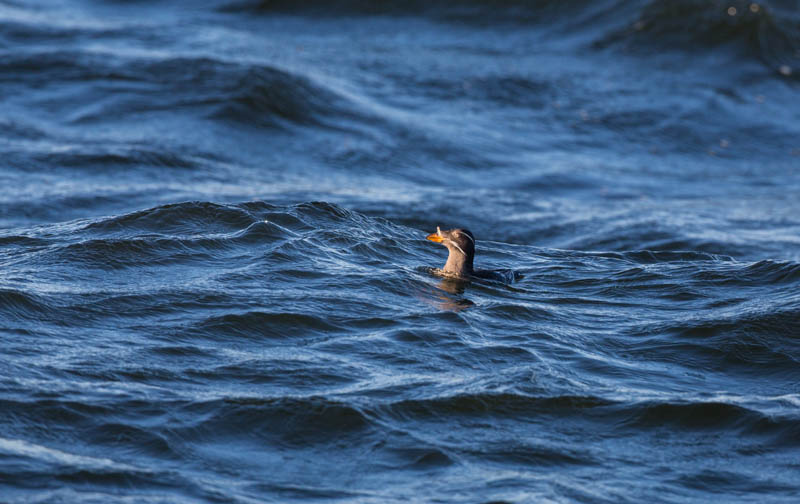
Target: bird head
{"x": 457, "y": 241}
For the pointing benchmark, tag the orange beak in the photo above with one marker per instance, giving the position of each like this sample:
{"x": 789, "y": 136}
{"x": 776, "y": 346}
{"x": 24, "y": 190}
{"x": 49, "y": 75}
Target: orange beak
{"x": 436, "y": 237}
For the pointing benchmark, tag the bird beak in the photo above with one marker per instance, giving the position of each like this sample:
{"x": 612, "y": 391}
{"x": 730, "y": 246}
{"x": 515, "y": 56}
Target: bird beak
{"x": 436, "y": 237}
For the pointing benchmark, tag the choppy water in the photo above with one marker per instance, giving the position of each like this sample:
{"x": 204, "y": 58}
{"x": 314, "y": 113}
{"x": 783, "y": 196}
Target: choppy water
{"x": 214, "y": 283}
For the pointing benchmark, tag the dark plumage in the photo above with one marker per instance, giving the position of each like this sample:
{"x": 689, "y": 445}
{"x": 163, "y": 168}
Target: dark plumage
{"x": 461, "y": 247}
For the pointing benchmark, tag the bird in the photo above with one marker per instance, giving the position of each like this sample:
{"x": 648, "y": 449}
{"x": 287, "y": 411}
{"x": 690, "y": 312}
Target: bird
{"x": 460, "y": 244}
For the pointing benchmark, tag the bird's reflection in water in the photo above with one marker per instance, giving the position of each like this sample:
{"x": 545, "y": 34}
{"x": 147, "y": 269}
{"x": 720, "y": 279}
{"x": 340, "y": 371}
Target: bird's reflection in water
{"x": 447, "y": 295}
{"x": 453, "y": 285}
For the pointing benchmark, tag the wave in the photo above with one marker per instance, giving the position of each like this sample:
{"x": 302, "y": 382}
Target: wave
{"x": 167, "y": 234}
{"x": 295, "y": 421}
{"x": 713, "y": 416}
{"x": 253, "y": 94}
{"x": 758, "y": 30}
{"x": 18, "y": 304}
{"x": 768, "y": 31}
{"x": 131, "y": 253}
{"x": 191, "y": 217}
{"x": 39, "y": 466}
{"x": 637, "y": 415}
{"x": 23, "y": 241}
{"x": 761, "y": 273}
{"x": 654, "y": 237}
{"x": 320, "y": 420}
{"x": 458, "y": 10}
{"x": 665, "y": 256}
{"x": 266, "y": 325}
{"x": 506, "y": 90}
{"x": 480, "y": 404}
{"x": 256, "y": 220}
{"x": 760, "y": 342}
{"x": 102, "y": 158}
{"x": 769, "y": 272}
{"x": 270, "y": 97}
{"x": 20, "y": 130}
{"x": 116, "y": 253}
{"x": 206, "y": 222}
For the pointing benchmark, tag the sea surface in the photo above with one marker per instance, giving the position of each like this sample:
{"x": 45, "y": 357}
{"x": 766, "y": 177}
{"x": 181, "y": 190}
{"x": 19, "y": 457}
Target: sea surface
{"x": 215, "y": 284}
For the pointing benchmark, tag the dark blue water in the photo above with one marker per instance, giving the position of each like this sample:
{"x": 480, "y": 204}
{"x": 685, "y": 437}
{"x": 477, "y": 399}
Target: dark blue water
{"x": 215, "y": 284}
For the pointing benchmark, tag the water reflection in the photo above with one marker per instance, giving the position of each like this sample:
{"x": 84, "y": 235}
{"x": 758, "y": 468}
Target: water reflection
{"x": 447, "y": 295}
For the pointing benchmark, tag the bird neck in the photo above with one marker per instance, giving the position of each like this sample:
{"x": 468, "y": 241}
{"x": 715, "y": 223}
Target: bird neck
{"x": 458, "y": 264}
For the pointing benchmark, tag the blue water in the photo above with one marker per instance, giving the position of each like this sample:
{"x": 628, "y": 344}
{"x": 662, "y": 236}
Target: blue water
{"x": 215, "y": 284}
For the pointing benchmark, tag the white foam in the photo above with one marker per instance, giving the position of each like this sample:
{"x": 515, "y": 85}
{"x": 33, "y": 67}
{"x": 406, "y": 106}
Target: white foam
{"x": 23, "y": 448}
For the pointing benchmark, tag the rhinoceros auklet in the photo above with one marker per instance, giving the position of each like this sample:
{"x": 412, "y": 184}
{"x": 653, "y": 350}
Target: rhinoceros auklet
{"x": 461, "y": 246}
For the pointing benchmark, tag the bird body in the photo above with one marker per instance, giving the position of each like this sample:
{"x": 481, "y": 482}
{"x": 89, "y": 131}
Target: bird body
{"x": 460, "y": 244}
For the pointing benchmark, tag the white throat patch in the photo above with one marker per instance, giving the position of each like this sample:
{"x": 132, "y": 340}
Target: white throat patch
{"x": 451, "y": 242}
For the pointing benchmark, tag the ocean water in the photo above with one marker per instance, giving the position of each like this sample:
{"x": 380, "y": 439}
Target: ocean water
{"x": 215, "y": 284}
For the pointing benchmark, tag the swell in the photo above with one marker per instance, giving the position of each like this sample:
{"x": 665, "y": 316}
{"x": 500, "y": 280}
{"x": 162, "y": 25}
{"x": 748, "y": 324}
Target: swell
{"x": 778, "y": 430}
{"x": 138, "y": 251}
{"x": 252, "y": 94}
{"x": 96, "y": 159}
{"x": 771, "y": 35}
{"x": 293, "y": 421}
{"x": 320, "y": 421}
{"x": 635, "y": 415}
{"x": 265, "y": 325}
{"x": 17, "y": 304}
{"x": 653, "y": 236}
{"x": 268, "y": 97}
{"x": 203, "y": 220}
{"x": 768, "y": 33}
{"x": 203, "y": 231}
{"x": 19, "y": 129}
{"x": 111, "y": 253}
{"x": 191, "y": 217}
{"x": 481, "y": 404}
{"x": 762, "y": 273}
{"x": 666, "y": 256}
{"x": 511, "y": 90}
{"x": 189, "y": 232}
{"x": 516, "y": 11}
{"x": 751, "y": 343}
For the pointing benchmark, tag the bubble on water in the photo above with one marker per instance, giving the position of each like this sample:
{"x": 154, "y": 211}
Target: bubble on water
{"x": 785, "y": 70}
{"x": 754, "y": 7}
{"x": 732, "y": 11}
